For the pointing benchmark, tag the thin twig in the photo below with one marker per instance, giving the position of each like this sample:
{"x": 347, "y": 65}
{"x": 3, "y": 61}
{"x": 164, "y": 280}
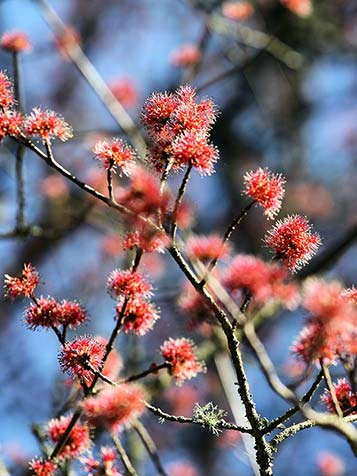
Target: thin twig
{"x": 151, "y": 370}
{"x": 331, "y": 388}
{"x": 150, "y": 446}
{"x": 179, "y": 198}
{"x": 123, "y": 455}
{"x": 236, "y": 222}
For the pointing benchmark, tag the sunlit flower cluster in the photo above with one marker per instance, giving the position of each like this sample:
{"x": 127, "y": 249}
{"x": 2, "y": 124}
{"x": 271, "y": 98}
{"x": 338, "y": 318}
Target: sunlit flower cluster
{"x": 15, "y": 42}
{"x": 115, "y": 154}
{"x": 102, "y": 466}
{"x": 344, "y": 394}
{"x": 47, "y": 125}
{"x": 78, "y": 441}
{"x": 23, "y": 285}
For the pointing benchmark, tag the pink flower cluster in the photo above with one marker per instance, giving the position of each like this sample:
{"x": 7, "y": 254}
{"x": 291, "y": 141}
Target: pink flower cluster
{"x": 24, "y": 285}
{"x": 15, "y": 42}
{"x": 103, "y": 466}
{"x": 114, "y": 408}
{"x": 46, "y": 312}
{"x": 344, "y": 394}
{"x": 179, "y": 127}
{"x": 323, "y": 336}
{"x": 132, "y": 291}
{"x": 180, "y": 354}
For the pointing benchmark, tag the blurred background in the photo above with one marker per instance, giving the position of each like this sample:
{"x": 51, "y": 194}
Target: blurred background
{"x": 284, "y": 75}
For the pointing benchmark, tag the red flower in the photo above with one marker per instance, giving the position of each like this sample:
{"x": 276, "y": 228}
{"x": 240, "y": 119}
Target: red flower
{"x": 115, "y": 154}
{"x": 303, "y": 8}
{"x": 113, "y": 363}
{"x": 157, "y": 111}
{"x": 181, "y": 355}
{"x": 139, "y": 316}
{"x": 47, "y": 125}
{"x": 115, "y": 407}
{"x": 293, "y": 242}
{"x": 193, "y": 147}
{"x": 81, "y": 355}
{"x": 147, "y": 239}
{"x": 129, "y": 284}
{"x": 185, "y": 55}
{"x": 15, "y": 42}
{"x": 104, "y": 467}
{"x": 78, "y": 441}
{"x": 264, "y": 281}
{"x": 125, "y": 91}
{"x": 41, "y": 467}
{"x": 237, "y": 11}
{"x": 344, "y": 395}
{"x": 206, "y": 248}
{"x": 10, "y": 124}
{"x": 6, "y": 91}
{"x": 72, "y": 313}
{"x": 266, "y": 188}
{"x": 23, "y": 286}
{"x": 45, "y": 313}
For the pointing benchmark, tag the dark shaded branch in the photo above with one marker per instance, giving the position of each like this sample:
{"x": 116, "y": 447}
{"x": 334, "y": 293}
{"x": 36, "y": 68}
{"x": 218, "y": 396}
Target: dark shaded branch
{"x": 150, "y": 446}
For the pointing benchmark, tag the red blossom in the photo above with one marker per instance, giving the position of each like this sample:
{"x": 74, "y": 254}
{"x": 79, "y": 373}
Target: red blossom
{"x": 24, "y": 285}
{"x": 125, "y": 91}
{"x": 185, "y": 55}
{"x": 206, "y": 248}
{"x": 115, "y": 154}
{"x": 143, "y": 195}
{"x": 41, "y": 467}
{"x": 6, "y": 91}
{"x": 237, "y": 11}
{"x": 45, "y": 313}
{"x": 10, "y": 124}
{"x": 181, "y": 355}
{"x": 139, "y": 316}
{"x": 129, "y": 284}
{"x": 147, "y": 239}
{"x": 15, "y": 42}
{"x": 157, "y": 110}
{"x": 78, "y": 441}
{"x": 293, "y": 242}
{"x": 266, "y": 188}
{"x": 103, "y": 466}
{"x": 264, "y": 281}
{"x": 81, "y": 355}
{"x": 344, "y": 395}
{"x": 47, "y": 125}
{"x": 115, "y": 407}
{"x": 192, "y": 147}
{"x": 72, "y": 313}
{"x": 303, "y": 8}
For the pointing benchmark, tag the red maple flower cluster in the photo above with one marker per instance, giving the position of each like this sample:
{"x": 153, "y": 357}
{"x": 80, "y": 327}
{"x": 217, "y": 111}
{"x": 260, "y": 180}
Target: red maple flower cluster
{"x": 265, "y": 282}
{"x": 47, "y": 312}
{"x": 293, "y": 242}
{"x": 185, "y": 55}
{"x": 78, "y": 441}
{"x": 303, "y": 8}
{"x": 41, "y": 467}
{"x": 180, "y": 354}
{"x": 15, "y": 42}
{"x": 179, "y": 127}
{"x": 128, "y": 283}
{"x": 125, "y": 91}
{"x": 10, "y": 124}
{"x": 207, "y": 248}
{"x": 105, "y": 466}
{"x": 24, "y": 285}
{"x": 115, "y": 407}
{"x": 265, "y": 188}
{"x": 344, "y": 394}
{"x": 115, "y": 154}
{"x": 324, "y": 337}
{"x": 47, "y": 125}
{"x": 132, "y": 290}
{"x": 82, "y": 358}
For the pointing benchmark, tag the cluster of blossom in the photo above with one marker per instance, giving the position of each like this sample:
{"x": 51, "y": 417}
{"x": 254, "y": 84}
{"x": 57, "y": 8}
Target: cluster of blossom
{"x": 185, "y": 55}
{"x": 264, "y": 282}
{"x": 115, "y": 408}
{"x": 303, "y": 8}
{"x": 105, "y": 466}
{"x": 179, "y": 126}
{"x": 43, "y": 124}
{"x": 132, "y": 291}
{"x": 345, "y": 396}
{"x": 323, "y": 337}
{"x": 238, "y": 10}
